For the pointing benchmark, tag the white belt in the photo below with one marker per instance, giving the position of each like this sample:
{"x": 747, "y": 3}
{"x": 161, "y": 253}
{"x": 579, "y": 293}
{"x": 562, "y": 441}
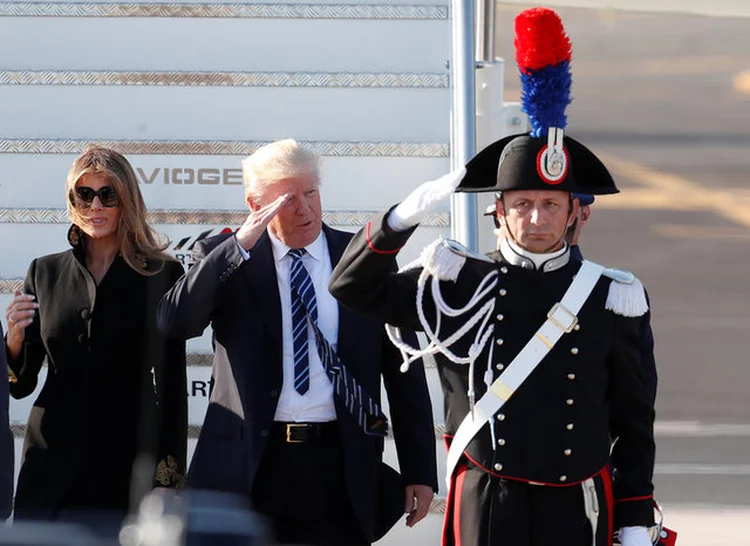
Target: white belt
{"x": 561, "y": 319}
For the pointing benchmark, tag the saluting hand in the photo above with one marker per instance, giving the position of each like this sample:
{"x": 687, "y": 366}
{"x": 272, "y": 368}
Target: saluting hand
{"x": 423, "y": 200}
{"x": 19, "y": 314}
{"x": 256, "y": 222}
{"x": 418, "y": 500}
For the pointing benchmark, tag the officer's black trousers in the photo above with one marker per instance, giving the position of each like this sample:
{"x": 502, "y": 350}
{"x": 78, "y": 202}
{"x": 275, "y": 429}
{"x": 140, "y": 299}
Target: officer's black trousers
{"x": 484, "y": 510}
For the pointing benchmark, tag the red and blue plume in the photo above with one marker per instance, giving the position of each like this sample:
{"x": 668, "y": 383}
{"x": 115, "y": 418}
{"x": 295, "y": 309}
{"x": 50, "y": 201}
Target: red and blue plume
{"x": 543, "y": 53}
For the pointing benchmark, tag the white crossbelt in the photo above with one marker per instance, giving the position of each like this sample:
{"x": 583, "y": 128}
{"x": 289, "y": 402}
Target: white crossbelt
{"x": 561, "y": 319}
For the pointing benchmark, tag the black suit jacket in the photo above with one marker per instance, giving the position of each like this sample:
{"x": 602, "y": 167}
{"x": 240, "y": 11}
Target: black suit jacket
{"x": 115, "y": 385}
{"x": 240, "y": 299}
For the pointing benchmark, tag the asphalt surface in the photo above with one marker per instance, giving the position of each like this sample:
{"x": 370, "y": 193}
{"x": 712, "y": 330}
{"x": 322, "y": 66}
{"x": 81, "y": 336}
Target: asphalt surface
{"x": 665, "y": 100}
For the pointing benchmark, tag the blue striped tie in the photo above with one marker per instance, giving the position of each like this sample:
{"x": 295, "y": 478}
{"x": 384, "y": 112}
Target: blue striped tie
{"x": 360, "y": 404}
{"x": 303, "y": 301}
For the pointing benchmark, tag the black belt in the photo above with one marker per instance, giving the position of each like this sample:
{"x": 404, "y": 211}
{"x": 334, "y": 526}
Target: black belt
{"x": 298, "y": 433}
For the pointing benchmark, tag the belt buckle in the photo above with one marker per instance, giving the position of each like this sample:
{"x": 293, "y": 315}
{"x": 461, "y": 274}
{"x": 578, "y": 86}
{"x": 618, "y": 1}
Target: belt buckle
{"x": 289, "y": 428}
{"x": 570, "y": 318}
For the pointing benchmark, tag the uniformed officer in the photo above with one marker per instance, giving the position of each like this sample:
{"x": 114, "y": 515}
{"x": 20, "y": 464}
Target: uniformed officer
{"x": 538, "y": 353}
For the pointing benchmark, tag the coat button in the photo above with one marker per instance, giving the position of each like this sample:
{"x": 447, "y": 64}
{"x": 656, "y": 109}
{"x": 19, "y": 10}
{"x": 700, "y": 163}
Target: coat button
{"x": 500, "y": 367}
{"x": 571, "y": 376}
{"x": 501, "y": 417}
{"x": 85, "y": 314}
{"x": 264, "y": 433}
{"x": 274, "y": 393}
{"x": 502, "y": 291}
{"x": 501, "y": 442}
{"x": 498, "y": 467}
{"x": 567, "y": 452}
{"x": 499, "y": 341}
{"x": 574, "y": 351}
{"x": 563, "y": 478}
{"x": 503, "y": 270}
{"x": 82, "y": 339}
{"x": 499, "y": 317}
{"x": 569, "y": 401}
{"x": 569, "y": 426}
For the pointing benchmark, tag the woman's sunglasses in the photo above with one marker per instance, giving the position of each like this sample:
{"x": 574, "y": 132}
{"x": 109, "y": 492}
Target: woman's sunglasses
{"x": 84, "y": 196}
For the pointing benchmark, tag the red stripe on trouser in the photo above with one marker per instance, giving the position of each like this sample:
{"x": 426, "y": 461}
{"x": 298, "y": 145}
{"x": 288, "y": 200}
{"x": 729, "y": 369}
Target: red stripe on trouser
{"x": 449, "y": 501}
{"x": 452, "y": 522}
{"x": 458, "y": 491}
{"x": 609, "y": 495}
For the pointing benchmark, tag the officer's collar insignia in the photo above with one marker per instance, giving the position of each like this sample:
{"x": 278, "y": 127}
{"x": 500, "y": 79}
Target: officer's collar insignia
{"x": 515, "y": 255}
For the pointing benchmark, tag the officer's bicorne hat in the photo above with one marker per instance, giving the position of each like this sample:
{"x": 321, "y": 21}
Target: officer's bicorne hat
{"x": 545, "y": 159}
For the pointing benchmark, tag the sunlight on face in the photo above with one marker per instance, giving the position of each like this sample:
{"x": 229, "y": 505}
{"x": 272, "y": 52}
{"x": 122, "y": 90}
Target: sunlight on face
{"x": 299, "y": 220}
{"x": 537, "y": 219}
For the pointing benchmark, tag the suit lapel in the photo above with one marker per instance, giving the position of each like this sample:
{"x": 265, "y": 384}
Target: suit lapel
{"x": 262, "y": 282}
{"x": 349, "y": 323}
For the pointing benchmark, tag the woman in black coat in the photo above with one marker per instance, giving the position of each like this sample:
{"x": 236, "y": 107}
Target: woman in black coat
{"x": 111, "y": 419}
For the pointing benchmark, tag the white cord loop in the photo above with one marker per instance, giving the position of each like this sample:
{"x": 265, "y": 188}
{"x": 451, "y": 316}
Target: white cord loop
{"x": 435, "y": 344}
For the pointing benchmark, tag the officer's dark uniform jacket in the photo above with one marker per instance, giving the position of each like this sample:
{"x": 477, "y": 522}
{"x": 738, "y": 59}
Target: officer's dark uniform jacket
{"x": 558, "y": 427}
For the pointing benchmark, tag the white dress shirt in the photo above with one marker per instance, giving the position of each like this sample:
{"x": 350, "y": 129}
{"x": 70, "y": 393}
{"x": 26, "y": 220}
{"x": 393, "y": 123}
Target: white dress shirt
{"x": 316, "y": 405}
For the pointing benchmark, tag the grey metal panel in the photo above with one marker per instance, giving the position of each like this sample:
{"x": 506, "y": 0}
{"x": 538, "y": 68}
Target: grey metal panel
{"x": 220, "y": 147}
{"x": 214, "y": 182}
{"x": 229, "y": 45}
{"x": 221, "y": 10}
{"x": 341, "y": 218}
{"x": 225, "y": 79}
{"x": 231, "y": 113}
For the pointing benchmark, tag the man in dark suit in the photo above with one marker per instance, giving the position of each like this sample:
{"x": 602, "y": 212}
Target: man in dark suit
{"x": 294, "y": 421}
{"x": 6, "y": 441}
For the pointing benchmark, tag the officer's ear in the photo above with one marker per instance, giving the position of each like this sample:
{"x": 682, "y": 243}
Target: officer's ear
{"x": 500, "y": 211}
{"x": 573, "y": 214}
{"x": 585, "y": 215}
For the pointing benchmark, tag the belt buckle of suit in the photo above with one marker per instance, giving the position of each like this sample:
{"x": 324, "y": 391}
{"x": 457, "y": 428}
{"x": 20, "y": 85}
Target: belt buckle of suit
{"x": 292, "y": 426}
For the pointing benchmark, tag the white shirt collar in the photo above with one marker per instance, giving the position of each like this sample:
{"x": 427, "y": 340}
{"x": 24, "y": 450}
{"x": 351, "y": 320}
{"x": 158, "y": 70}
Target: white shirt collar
{"x": 516, "y": 255}
{"x": 316, "y": 249}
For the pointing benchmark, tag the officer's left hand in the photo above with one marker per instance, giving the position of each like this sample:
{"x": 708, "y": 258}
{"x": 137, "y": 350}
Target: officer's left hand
{"x": 634, "y": 536}
{"x": 418, "y": 500}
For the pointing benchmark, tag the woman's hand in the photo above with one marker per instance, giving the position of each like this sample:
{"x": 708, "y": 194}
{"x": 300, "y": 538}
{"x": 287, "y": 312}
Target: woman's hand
{"x": 19, "y": 315}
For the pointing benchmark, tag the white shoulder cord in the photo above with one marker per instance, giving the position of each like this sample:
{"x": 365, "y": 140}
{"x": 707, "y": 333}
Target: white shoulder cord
{"x": 435, "y": 344}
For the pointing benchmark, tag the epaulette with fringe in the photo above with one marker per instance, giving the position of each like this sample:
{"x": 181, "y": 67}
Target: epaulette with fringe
{"x": 444, "y": 259}
{"x": 626, "y": 296}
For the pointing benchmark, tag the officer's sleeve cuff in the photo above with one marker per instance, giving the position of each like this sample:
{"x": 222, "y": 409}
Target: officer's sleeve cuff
{"x": 634, "y": 512}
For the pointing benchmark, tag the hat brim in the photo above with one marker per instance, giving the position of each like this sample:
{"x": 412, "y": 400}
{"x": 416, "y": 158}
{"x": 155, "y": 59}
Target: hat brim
{"x": 511, "y": 163}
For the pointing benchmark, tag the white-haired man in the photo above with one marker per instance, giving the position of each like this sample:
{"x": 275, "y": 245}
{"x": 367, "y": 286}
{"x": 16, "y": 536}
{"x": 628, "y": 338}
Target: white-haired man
{"x": 294, "y": 422}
